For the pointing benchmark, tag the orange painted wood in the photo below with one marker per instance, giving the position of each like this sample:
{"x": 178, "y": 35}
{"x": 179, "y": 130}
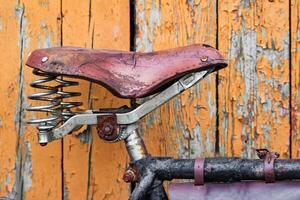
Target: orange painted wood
{"x": 25, "y": 166}
{"x": 295, "y": 77}
{"x": 110, "y": 24}
{"x": 253, "y": 93}
{"x": 93, "y": 169}
{"x": 76, "y": 147}
{"x": 186, "y": 126}
{"x": 254, "y": 90}
{"x": 9, "y": 94}
{"x": 41, "y": 167}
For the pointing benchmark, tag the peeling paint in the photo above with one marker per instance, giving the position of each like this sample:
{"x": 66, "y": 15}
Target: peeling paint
{"x": 66, "y": 193}
{"x": 185, "y": 126}
{"x": 85, "y": 136}
{"x": 143, "y": 42}
{"x": 27, "y": 169}
{"x": 295, "y": 75}
{"x": 254, "y": 90}
{"x": 23, "y": 44}
{"x": 46, "y": 37}
{"x": 103, "y": 24}
{"x": 19, "y": 115}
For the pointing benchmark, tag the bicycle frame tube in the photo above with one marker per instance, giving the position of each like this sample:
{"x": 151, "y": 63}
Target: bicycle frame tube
{"x": 148, "y": 173}
{"x": 137, "y": 151}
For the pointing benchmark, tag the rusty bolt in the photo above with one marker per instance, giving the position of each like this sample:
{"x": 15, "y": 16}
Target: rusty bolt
{"x": 129, "y": 176}
{"x": 107, "y": 127}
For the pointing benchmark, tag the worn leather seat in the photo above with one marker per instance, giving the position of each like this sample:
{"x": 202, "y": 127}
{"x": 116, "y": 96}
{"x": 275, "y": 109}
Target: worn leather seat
{"x": 127, "y": 74}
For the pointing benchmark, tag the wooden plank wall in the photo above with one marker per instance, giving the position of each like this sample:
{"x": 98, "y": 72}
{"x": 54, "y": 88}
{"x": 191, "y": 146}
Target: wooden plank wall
{"x": 254, "y": 103}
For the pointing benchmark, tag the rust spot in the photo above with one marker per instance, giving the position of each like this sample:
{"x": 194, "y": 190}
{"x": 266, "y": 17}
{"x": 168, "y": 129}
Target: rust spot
{"x": 131, "y": 175}
{"x": 107, "y": 127}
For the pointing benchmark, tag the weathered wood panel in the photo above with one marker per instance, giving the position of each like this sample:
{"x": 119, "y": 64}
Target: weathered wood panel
{"x": 41, "y": 167}
{"x": 77, "y": 31}
{"x": 186, "y": 126}
{"x": 10, "y": 132}
{"x": 254, "y": 89}
{"x": 110, "y": 22}
{"x": 255, "y": 94}
{"x": 295, "y": 77}
{"x": 25, "y": 167}
{"x": 93, "y": 169}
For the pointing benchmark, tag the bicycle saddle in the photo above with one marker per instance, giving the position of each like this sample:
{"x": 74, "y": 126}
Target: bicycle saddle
{"x": 127, "y": 74}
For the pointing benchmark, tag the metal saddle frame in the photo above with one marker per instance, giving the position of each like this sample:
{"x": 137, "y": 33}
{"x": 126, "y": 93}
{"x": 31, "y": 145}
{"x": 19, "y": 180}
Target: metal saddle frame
{"x": 157, "y": 75}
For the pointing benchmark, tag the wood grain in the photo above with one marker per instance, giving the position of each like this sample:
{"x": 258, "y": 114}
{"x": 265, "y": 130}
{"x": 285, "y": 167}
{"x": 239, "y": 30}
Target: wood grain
{"x": 10, "y": 131}
{"x": 93, "y": 169}
{"x": 76, "y": 147}
{"x": 184, "y": 127}
{"x": 254, "y": 89}
{"x": 295, "y": 77}
{"x": 110, "y": 23}
{"x": 34, "y": 165}
{"x": 256, "y": 103}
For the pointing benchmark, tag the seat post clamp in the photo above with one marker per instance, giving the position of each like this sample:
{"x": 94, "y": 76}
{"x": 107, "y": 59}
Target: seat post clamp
{"x": 107, "y": 128}
{"x": 269, "y": 160}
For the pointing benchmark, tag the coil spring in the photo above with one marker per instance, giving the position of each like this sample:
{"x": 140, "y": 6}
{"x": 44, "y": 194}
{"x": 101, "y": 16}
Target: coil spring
{"x": 57, "y": 110}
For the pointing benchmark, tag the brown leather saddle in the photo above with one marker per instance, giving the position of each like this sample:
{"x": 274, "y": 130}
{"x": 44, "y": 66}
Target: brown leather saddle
{"x": 127, "y": 74}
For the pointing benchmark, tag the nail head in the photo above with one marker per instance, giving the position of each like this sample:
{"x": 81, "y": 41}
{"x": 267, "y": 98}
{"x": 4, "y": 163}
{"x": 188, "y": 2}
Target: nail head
{"x": 204, "y": 59}
{"x": 44, "y": 59}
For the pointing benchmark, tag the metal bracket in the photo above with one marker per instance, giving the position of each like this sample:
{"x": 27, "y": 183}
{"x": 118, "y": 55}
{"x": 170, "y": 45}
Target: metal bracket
{"x": 131, "y": 117}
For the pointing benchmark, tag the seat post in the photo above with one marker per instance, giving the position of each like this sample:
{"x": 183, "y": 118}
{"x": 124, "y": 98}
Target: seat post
{"x": 134, "y": 142}
{"x": 135, "y": 146}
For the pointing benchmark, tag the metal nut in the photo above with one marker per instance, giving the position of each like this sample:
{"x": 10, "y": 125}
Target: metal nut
{"x": 129, "y": 176}
{"x": 107, "y": 127}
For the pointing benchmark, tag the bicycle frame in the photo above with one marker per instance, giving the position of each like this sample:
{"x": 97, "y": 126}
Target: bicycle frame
{"x": 148, "y": 173}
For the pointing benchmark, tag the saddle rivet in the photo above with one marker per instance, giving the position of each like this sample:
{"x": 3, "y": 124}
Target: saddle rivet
{"x": 44, "y": 59}
{"x": 204, "y": 59}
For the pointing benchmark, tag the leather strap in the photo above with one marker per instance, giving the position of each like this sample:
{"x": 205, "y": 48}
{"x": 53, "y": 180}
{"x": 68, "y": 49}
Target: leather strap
{"x": 269, "y": 167}
{"x": 199, "y": 171}
{"x": 268, "y": 159}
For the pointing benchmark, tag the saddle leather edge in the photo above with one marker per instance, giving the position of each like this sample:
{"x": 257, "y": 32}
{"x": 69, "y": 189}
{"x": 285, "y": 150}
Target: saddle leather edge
{"x": 80, "y": 63}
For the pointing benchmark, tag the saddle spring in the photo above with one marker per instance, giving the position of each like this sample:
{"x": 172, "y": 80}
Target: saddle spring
{"x": 56, "y": 109}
